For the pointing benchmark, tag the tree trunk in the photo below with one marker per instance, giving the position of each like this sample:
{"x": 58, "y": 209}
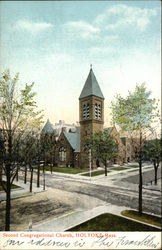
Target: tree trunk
{"x": 44, "y": 163}
{"x": 31, "y": 179}
{"x": 44, "y": 184}
{"x": 51, "y": 169}
{"x": 17, "y": 160}
{"x": 1, "y": 163}
{"x": 8, "y": 179}
{"x": 25, "y": 176}
{"x": 155, "y": 168}
{"x": 140, "y": 188}
{"x": 38, "y": 175}
{"x": 105, "y": 168}
{"x": 140, "y": 176}
{"x": 8, "y": 198}
{"x": 53, "y": 161}
{"x": 0, "y": 174}
{"x": 17, "y": 174}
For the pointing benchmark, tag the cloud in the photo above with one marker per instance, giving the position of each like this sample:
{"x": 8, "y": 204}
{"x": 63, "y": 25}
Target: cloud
{"x": 32, "y": 27}
{"x": 84, "y": 29}
{"x": 118, "y": 18}
{"x": 122, "y": 15}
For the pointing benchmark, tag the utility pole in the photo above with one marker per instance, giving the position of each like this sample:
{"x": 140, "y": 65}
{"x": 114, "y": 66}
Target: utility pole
{"x": 90, "y": 163}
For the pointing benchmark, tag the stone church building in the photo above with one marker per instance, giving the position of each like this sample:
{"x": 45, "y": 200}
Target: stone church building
{"x": 70, "y": 143}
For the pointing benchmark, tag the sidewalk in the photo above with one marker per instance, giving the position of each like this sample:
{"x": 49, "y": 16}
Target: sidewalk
{"x": 70, "y": 220}
{"x": 113, "y": 173}
{"x": 22, "y": 191}
{"x": 73, "y": 219}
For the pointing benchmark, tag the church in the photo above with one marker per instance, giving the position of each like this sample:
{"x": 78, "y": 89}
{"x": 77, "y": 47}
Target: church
{"x": 71, "y": 140}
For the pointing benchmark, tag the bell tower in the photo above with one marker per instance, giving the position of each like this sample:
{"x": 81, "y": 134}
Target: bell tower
{"x": 91, "y": 113}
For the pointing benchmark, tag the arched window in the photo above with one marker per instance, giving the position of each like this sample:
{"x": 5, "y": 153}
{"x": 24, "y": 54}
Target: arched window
{"x": 86, "y": 111}
{"x": 62, "y": 154}
{"x": 97, "y": 111}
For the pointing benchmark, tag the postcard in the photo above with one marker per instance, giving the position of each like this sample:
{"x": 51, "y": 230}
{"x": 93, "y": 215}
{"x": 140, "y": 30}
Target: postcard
{"x": 80, "y": 136}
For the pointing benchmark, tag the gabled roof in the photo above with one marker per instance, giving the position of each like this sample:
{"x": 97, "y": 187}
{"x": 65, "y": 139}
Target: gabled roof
{"x": 74, "y": 139}
{"x": 48, "y": 127}
{"x": 91, "y": 87}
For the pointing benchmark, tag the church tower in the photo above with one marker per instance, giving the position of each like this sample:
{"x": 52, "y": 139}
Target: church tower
{"x": 91, "y": 113}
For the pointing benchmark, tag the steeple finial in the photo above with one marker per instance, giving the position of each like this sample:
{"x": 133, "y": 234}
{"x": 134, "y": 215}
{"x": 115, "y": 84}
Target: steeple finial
{"x": 90, "y": 66}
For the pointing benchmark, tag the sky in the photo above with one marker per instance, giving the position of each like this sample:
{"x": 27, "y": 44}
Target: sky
{"x": 53, "y": 43}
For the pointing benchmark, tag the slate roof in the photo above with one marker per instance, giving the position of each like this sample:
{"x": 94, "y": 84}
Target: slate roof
{"x": 48, "y": 127}
{"x": 57, "y": 128}
{"x": 74, "y": 139}
{"x": 91, "y": 87}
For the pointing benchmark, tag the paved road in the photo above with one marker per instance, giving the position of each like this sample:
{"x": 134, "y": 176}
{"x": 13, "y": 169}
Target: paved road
{"x": 114, "y": 198}
{"x": 115, "y": 195}
{"x": 147, "y": 177}
{"x": 120, "y": 189}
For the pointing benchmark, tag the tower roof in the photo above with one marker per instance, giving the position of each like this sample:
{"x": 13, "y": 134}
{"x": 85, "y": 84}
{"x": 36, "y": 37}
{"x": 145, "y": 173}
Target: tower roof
{"x": 91, "y": 87}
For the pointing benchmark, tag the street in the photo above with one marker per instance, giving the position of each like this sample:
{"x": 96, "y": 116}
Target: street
{"x": 69, "y": 200}
{"x": 118, "y": 194}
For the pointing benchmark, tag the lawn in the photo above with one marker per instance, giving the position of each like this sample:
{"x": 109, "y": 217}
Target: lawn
{"x": 147, "y": 218}
{"x": 95, "y": 173}
{"x": 65, "y": 170}
{"x": 110, "y": 222}
{"x": 133, "y": 166}
{"x": 12, "y": 187}
{"x": 118, "y": 168}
